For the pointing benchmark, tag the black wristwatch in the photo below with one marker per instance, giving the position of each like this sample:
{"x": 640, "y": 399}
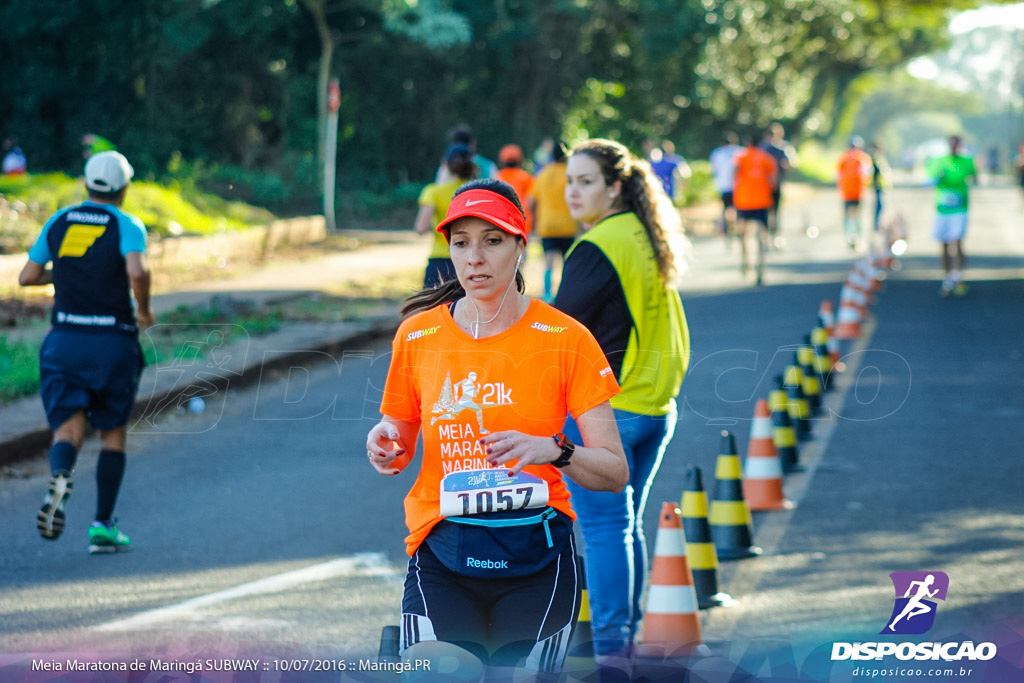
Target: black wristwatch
{"x": 568, "y": 448}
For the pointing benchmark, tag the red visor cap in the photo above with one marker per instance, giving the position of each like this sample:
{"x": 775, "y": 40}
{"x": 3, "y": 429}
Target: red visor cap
{"x": 490, "y": 206}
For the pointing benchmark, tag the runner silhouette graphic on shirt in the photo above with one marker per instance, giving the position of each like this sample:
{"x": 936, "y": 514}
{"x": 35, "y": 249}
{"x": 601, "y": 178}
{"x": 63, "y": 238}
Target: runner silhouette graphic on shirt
{"x": 914, "y": 606}
{"x": 449, "y": 407}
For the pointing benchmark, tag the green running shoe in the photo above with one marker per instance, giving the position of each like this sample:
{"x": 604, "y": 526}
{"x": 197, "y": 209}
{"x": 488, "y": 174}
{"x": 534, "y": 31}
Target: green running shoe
{"x": 50, "y": 520}
{"x": 107, "y": 538}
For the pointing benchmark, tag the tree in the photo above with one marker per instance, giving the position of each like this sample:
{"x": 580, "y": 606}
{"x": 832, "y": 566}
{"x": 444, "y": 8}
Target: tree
{"x": 892, "y": 96}
{"x": 355, "y": 20}
{"x": 795, "y": 60}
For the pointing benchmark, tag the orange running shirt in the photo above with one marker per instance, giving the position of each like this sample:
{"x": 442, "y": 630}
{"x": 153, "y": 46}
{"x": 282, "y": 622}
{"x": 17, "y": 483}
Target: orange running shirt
{"x": 522, "y": 182}
{"x": 853, "y": 169}
{"x": 755, "y": 169}
{"x": 528, "y": 378}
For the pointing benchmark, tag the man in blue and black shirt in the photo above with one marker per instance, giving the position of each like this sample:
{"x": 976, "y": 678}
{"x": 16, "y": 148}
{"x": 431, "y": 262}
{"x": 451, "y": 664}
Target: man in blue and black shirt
{"x": 90, "y": 362}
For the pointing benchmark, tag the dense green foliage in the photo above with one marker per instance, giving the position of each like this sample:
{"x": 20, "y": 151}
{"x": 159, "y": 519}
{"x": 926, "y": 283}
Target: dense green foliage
{"x": 19, "y": 369}
{"x": 229, "y": 94}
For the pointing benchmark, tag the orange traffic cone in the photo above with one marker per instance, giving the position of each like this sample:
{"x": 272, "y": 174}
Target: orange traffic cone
{"x": 700, "y": 548}
{"x": 870, "y": 273}
{"x": 731, "y": 524}
{"x": 671, "y": 626}
{"x": 848, "y": 320}
{"x": 861, "y": 283}
{"x": 827, "y": 315}
{"x": 762, "y": 475}
{"x": 854, "y": 296}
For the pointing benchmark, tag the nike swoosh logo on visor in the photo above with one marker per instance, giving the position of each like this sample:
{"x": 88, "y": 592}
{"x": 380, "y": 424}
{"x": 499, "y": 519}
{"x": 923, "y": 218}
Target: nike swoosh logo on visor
{"x": 478, "y": 201}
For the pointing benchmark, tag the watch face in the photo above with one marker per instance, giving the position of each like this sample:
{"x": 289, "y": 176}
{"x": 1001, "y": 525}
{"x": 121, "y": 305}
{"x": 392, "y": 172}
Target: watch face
{"x": 568, "y": 448}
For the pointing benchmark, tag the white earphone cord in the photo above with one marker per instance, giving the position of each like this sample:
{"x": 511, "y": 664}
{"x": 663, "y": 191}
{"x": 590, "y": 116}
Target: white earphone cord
{"x": 478, "y": 322}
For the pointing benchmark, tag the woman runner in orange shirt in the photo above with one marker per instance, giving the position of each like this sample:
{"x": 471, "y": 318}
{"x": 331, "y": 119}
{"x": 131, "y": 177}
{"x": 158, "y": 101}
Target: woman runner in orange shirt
{"x": 486, "y": 375}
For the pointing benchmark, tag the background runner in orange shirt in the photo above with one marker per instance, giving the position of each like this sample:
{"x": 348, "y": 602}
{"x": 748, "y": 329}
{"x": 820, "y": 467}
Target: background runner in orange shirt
{"x": 510, "y": 158}
{"x": 853, "y": 171}
{"x": 756, "y": 178}
{"x": 555, "y": 225}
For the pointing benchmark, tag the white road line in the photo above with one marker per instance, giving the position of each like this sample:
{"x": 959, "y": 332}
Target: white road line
{"x": 361, "y": 564}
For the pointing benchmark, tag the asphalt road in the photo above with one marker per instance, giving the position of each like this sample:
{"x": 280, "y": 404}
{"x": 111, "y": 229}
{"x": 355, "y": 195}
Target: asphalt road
{"x": 261, "y": 532}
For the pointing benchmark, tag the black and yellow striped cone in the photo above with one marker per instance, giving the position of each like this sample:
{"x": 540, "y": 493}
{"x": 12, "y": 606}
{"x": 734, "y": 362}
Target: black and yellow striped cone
{"x": 700, "y": 548}
{"x": 799, "y": 409}
{"x": 823, "y": 361}
{"x": 783, "y": 434}
{"x": 730, "y": 520}
{"x": 811, "y": 380}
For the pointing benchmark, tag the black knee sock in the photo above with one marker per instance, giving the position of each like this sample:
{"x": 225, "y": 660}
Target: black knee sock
{"x": 63, "y": 455}
{"x": 109, "y": 472}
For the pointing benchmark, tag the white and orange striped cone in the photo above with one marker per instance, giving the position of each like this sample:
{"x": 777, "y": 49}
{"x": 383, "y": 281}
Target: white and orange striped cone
{"x": 871, "y": 273}
{"x": 762, "y": 474}
{"x": 859, "y": 280}
{"x": 671, "y": 625}
{"x": 848, "y": 321}
{"x": 827, "y": 315}
{"x": 852, "y": 295}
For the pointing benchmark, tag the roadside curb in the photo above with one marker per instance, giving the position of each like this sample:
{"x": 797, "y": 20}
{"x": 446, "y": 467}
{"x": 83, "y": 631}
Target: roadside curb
{"x": 167, "y": 387}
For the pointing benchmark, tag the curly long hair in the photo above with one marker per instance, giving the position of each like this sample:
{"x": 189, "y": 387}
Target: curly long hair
{"x": 643, "y": 194}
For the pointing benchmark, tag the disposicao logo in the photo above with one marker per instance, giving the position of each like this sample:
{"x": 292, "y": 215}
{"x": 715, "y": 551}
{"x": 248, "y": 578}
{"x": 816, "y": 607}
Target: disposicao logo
{"x": 916, "y": 595}
{"x": 914, "y": 613}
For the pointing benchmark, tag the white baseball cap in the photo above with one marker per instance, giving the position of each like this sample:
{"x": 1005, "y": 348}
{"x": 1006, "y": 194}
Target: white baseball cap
{"x": 108, "y": 172}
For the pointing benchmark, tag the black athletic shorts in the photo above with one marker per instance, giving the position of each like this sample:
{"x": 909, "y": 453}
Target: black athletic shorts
{"x": 561, "y": 244}
{"x": 94, "y": 371}
{"x": 439, "y": 271}
{"x": 759, "y": 215}
{"x": 501, "y": 621}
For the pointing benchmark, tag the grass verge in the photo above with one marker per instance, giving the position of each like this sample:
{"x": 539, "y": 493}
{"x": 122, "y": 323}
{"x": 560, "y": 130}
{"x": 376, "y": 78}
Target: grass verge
{"x": 189, "y": 333}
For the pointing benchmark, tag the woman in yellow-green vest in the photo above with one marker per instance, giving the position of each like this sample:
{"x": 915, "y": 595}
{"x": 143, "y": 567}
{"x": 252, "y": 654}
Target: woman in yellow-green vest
{"x": 618, "y": 281}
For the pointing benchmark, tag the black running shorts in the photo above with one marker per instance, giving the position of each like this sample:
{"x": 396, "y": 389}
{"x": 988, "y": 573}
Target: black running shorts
{"x": 501, "y": 621}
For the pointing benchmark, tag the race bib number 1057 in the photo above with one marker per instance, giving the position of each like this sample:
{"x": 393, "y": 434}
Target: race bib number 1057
{"x": 471, "y": 492}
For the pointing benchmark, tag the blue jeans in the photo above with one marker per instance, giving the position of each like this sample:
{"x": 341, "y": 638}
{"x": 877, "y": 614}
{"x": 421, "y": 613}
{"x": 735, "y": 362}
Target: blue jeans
{"x": 612, "y": 526}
